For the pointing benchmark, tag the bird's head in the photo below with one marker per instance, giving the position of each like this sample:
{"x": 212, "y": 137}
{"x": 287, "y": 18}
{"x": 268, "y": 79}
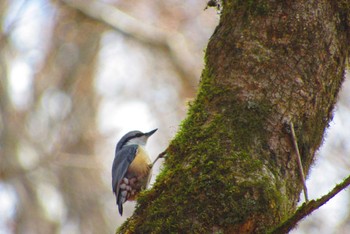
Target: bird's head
{"x": 135, "y": 138}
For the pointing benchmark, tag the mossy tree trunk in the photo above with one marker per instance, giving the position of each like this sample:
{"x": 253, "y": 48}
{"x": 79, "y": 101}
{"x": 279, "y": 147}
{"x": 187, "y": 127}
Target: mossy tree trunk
{"x": 232, "y": 167}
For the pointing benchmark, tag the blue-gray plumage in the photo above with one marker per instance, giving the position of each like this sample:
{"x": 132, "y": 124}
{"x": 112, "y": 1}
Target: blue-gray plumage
{"x": 131, "y": 168}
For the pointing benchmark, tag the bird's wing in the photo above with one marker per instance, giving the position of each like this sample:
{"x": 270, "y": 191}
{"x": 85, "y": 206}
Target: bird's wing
{"x": 122, "y": 160}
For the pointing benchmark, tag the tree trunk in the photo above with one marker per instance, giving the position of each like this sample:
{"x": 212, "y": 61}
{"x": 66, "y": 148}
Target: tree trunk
{"x": 232, "y": 167}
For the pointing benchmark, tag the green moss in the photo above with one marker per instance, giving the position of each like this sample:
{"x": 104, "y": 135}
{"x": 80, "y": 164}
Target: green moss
{"x": 202, "y": 165}
{"x": 210, "y": 187}
{"x": 254, "y": 7}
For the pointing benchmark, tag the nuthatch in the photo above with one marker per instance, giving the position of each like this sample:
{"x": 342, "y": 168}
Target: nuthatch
{"x": 131, "y": 170}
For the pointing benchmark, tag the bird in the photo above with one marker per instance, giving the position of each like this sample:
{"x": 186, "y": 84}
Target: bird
{"x": 132, "y": 167}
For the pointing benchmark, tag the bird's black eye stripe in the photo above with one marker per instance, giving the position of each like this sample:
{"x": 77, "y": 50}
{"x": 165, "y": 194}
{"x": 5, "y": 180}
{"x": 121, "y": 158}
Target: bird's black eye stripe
{"x": 135, "y": 136}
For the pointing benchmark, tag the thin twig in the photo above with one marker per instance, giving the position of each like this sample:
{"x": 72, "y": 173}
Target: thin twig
{"x": 301, "y": 170}
{"x": 308, "y": 208}
{"x": 170, "y": 42}
{"x": 161, "y": 155}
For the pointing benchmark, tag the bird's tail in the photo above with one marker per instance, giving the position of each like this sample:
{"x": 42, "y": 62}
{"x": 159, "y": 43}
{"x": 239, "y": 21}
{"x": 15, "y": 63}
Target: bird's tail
{"x": 120, "y": 208}
{"x": 119, "y": 200}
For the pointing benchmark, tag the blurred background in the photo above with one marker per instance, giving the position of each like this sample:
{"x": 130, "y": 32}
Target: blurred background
{"x": 75, "y": 75}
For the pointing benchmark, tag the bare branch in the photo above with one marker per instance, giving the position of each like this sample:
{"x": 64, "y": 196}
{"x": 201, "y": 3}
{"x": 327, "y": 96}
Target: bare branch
{"x": 308, "y": 208}
{"x": 171, "y": 43}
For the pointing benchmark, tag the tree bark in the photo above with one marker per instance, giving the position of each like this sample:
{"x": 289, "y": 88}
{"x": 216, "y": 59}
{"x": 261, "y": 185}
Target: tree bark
{"x": 232, "y": 167}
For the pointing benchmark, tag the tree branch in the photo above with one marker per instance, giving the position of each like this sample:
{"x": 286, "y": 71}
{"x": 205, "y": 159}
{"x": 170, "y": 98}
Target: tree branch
{"x": 171, "y": 43}
{"x": 308, "y": 208}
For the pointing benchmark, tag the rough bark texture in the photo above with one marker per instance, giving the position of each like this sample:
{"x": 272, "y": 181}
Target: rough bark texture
{"x": 232, "y": 166}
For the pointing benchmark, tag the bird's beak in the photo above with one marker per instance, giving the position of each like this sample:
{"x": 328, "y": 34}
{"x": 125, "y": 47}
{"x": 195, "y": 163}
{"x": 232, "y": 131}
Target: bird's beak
{"x": 148, "y": 134}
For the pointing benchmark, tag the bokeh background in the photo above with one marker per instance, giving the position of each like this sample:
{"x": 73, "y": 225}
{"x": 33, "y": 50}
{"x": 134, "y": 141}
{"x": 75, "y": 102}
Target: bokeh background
{"x": 75, "y": 75}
